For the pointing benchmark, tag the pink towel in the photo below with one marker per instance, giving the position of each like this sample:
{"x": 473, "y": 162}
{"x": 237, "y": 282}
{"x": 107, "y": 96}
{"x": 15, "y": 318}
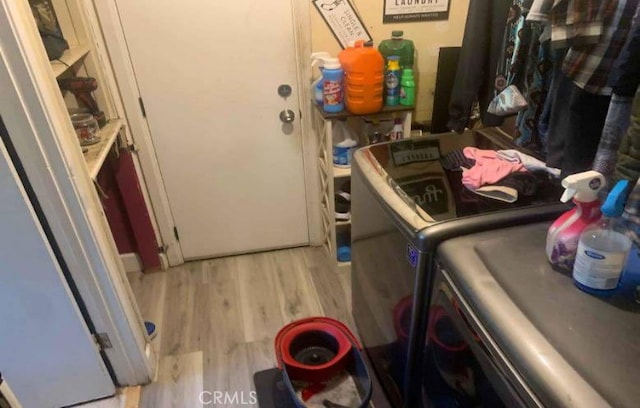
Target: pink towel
{"x": 489, "y": 168}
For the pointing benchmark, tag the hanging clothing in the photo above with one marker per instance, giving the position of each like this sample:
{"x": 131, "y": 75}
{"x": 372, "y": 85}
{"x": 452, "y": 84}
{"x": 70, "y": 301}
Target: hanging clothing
{"x": 624, "y": 81}
{"x": 536, "y": 82}
{"x": 590, "y": 66}
{"x": 581, "y": 100}
{"x": 557, "y": 56}
{"x": 631, "y": 215}
{"x": 573, "y": 22}
{"x": 575, "y": 125}
{"x": 625, "y": 77}
{"x": 615, "y": 127}
{"x": 512, "y": 61}
{"x": 475, "y": 75}
{"x": 628, "y": 160}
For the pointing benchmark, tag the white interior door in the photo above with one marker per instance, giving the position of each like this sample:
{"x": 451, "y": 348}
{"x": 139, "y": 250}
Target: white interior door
{"x": 208, "y": 72}
{"x": 46, "y": 351}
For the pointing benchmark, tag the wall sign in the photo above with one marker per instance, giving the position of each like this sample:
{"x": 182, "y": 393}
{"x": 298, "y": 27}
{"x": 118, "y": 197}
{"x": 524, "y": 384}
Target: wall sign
{"x": 398, "y": 11}
{"x": 343, "y": 21}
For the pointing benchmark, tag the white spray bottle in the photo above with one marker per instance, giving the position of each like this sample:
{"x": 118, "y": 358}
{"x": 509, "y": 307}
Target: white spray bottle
{"x": 316, "y": 85}
{"x": 564, "y": 233}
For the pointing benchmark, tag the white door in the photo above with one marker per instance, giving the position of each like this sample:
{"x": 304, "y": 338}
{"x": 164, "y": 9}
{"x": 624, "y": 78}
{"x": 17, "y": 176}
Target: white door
{"x": 208, "y": 72}
{"x": 46, "y": 351}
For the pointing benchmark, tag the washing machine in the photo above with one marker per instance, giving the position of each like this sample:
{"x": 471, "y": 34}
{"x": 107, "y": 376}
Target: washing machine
{"x": 404, "y": 204}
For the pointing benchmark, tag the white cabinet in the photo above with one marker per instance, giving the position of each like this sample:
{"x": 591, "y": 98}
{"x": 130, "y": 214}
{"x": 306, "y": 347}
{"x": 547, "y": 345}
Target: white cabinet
{"x": 331, "y": 177}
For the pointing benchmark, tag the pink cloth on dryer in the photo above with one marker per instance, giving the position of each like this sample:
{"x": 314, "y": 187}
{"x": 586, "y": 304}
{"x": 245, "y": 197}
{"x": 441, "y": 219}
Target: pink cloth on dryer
{"x": 489, "y": 168}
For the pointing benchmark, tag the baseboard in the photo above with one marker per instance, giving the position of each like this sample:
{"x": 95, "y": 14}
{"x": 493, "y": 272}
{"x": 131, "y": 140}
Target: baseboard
{"x": 131, "y": 262}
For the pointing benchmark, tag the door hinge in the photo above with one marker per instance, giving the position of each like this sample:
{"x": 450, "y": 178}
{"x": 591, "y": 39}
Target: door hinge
{"x": 133, "y": 148}
{"x": 175, "y": 233}
{"x": 162, "y": 249}
{"x": 144, "y": 111}
{"x": 102, "y": 340}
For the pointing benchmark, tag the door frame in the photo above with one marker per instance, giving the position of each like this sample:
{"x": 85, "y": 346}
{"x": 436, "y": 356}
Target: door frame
{"x": 35, "y": 115}
{"x": 108, "y": 15}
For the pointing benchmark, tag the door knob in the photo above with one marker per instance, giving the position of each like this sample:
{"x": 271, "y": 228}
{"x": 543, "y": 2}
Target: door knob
{"x": 287, "y": 116}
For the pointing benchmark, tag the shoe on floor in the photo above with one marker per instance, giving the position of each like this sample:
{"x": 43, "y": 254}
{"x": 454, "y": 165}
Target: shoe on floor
{"x": 343, "y": 206}
{"x": 152, "y": 330}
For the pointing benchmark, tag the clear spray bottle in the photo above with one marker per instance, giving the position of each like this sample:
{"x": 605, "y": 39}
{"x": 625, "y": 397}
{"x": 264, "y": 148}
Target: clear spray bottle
{"x": 603, "y": 248}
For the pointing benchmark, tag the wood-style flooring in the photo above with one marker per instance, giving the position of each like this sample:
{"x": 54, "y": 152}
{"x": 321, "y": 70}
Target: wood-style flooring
{"x": 218, "y": 318}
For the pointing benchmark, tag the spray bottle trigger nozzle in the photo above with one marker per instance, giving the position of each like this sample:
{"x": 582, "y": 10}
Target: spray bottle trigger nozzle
{"x": 568, "y": 194}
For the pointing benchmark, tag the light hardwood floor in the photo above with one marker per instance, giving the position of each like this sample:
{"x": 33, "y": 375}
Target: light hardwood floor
{"x": 218, "y": 318}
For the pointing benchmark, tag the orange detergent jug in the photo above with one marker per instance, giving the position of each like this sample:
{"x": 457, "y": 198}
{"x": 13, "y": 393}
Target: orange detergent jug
{"x": 363, "y": 67}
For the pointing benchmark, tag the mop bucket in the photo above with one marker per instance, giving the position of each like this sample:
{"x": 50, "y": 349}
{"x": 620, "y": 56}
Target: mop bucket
{"x": 322, "y": 364}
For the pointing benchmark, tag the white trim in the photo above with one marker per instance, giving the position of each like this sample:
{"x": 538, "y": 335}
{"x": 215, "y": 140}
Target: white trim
{"x": 36, "y": 118}
{"x": 131, "y": 262}
{"x": 8, "y": 395}
{"x": 116, "y": 46}
{"x": 310, "y": 151}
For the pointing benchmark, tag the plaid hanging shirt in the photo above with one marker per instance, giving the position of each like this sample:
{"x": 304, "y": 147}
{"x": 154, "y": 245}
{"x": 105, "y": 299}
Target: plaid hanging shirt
{"x": 589, "y": 66}
{"x": 573, "y": 22}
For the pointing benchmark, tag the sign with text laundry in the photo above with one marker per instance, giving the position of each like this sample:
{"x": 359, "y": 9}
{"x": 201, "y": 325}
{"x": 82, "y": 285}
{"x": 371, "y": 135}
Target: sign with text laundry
{"x": 398, "y": 11}
{"x": 344, "y": 22}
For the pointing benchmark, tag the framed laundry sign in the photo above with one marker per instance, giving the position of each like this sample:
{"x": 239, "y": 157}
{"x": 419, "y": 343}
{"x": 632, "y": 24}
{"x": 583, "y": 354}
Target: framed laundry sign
{"x": 399, "y": 11}
{"x": 342, "y": 19}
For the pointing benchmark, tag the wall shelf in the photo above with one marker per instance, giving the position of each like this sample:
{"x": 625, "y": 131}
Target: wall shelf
{"x": 341, "y": 172}
{"x": 345, "y": 114}
{"x": 97, "y": 153}
{"x": 344, "y": 267}
{"x": 70, "y": 57}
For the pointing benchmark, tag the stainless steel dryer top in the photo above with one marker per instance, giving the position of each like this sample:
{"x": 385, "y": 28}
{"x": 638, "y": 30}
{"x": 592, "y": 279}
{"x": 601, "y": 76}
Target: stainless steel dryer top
{"x": 571, "y": 348}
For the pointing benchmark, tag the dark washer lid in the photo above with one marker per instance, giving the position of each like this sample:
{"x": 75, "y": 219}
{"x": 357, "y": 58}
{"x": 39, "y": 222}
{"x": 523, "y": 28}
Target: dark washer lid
{"x": 572, "y": 348}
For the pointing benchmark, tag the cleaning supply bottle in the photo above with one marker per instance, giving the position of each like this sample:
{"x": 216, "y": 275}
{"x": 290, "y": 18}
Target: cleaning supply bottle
{"x": 317, "y": 84}
{"x": 565, "y": 232}
{"x": 603, "y": 249}
{"x": 407, "y": 88}
{"x": 344, "y": 142}
{"x": 397, "y": 130}
{"x": 392, "y": 81}
{"x": 364, "y": 78}
{"x": 332, "y": 86}
{"x": 399, "y": 46}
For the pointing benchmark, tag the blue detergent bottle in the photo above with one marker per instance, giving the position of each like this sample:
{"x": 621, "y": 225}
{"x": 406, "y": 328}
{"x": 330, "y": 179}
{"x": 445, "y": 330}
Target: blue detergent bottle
{"x": 332, "y": 82}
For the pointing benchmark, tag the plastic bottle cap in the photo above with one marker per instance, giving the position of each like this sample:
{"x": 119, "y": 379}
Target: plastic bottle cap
{"x": 394, "y": 58}
{"x": 344, "y": 254}
{"x": 397, "y": 33}
{"x": 332, "y": 63}
{"x": 407, "y": 73}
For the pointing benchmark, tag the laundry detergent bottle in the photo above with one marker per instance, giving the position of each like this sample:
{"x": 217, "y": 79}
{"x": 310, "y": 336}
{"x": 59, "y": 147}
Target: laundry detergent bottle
{"x": 332, "y": 82}
{"x": 564, "y": 234}
{"x": 364, "y": 78}
{"x": 604, "y": 248}
{"x": 317, "y": 85}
